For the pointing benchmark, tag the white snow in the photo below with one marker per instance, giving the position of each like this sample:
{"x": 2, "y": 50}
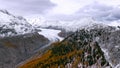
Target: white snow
{"x": 114, "y": 23}
{"x": 67, "y": 25}
{"x": 35, "y": 20}
{"x": 106, "y": 54}
{"x": 51, "y": 34}
{"x": 11, "y": 25}
{"x": 117, "y": 66}
{"x": 4, "y": 17}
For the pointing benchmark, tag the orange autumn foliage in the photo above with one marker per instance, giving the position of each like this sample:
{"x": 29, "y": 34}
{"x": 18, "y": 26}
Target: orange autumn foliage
{"x": 51, "y": 60}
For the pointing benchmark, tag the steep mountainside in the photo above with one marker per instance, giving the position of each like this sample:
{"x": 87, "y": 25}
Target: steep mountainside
{"x": 83, "y": 49}
{"x": 14, "y": 50}
{"x": 19, "y": 41}
{"x": 11, "y": 25}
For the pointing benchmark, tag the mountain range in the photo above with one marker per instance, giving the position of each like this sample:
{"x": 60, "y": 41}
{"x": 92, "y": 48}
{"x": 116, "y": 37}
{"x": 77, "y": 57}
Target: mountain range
{"x": 35, "y": 43}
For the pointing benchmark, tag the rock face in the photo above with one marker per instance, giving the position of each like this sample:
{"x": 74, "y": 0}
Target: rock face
{"x": 93, "y": 48}
{"x": 110, "y": 43}
{"x": 16, "y": 49}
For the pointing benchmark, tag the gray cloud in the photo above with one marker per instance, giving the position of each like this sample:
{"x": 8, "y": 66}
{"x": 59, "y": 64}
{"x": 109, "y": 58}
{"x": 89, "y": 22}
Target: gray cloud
{"x": 95, "y": 10}
{"x": 26, "y": 7}
{"x": 30, "y": 7}
{"x": 100, "y": 12}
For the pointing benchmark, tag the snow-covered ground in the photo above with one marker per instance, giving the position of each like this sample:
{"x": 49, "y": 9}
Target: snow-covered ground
{"x": 51, "y": 34}
{"x": 11, "y": 25}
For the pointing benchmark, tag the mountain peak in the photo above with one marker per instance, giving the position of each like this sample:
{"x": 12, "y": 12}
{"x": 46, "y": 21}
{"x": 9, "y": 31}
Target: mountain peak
{"x": 11, "y": 25}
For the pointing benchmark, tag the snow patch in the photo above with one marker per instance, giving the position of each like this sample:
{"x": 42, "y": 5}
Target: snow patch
{"x": 117, "y": 66}
{"x": 106, "y": 54}
{"x": 51, "y": 34}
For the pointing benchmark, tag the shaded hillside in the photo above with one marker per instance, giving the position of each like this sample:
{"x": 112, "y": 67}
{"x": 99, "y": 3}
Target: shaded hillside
{"x": 16, "y": 49}
{"x": 80, "y": 50}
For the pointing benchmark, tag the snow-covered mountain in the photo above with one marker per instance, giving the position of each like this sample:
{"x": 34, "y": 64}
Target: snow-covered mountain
{"x": 87, "y": 23}
{"x": 11, "y": 25}
{"x": 88, "y": 43}
{"x": 94, "y": 48}
{"x": 36, "y": 21}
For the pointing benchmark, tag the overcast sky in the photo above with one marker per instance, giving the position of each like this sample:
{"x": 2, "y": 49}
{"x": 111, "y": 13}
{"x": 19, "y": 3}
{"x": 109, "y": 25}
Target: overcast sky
{"x": 64, "y": 9}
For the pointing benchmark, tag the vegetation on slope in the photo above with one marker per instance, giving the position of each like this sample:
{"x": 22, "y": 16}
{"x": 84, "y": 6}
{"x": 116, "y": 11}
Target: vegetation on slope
{"x": 78, "y": 50}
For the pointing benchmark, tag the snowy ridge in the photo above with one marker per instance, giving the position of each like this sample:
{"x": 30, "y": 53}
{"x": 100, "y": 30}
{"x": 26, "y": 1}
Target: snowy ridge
{"x": 11, "y": 25}
{"x": 87, "y": 23}
{"x": 35, "y": 20}
{"x": 115, "y": 23}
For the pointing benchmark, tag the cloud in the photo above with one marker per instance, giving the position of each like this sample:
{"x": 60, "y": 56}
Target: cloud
{"x": 26, "y": 7}
{"x": 68, "y": 7}
{"x": 105, "y": 10}
{"x": 96, "y": 10}
{"x": 101, "y": 12}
